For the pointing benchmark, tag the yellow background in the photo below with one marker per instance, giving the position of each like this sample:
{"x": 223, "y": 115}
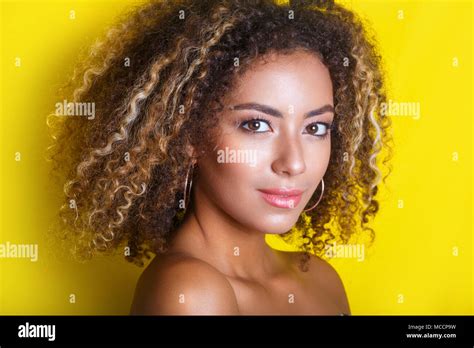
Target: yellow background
{"x": 412, "y": 267}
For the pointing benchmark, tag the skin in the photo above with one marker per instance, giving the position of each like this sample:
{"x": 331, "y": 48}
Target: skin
{"x": 218, "y": 262}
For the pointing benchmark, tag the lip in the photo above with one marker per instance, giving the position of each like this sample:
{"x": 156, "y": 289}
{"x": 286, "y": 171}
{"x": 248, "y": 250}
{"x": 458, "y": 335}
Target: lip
{"x": 282, "y": 197}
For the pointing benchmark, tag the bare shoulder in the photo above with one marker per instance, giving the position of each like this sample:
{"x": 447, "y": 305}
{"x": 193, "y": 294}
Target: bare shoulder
{"x": 178, "y": 284}
{"x": 326, "y": 274}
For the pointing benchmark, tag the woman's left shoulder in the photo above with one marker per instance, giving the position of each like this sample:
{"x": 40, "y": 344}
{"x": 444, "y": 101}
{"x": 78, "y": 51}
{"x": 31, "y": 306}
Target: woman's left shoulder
{"x": 327, "y": 275}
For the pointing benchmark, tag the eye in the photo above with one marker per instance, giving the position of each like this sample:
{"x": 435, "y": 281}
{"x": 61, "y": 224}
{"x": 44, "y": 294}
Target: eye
{"x": 319, "y": 129}
{"x": 256, "y": 125}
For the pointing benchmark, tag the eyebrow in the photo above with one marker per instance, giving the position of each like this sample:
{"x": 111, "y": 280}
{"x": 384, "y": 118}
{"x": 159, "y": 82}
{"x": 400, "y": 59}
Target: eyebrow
{"x": 273, "y": 112}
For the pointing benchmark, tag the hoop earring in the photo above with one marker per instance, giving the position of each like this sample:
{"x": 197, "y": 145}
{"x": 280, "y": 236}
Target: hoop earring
{"x": 187, "y": 192}
{"x": 320, "y": 197}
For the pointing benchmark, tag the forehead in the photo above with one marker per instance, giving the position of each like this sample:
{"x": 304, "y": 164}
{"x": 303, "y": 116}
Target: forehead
{"x": 298, "y": 78}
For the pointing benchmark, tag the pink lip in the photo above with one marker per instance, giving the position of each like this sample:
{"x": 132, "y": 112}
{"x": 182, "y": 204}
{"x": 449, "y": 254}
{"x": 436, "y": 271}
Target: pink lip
{"x": 282, "y": 198}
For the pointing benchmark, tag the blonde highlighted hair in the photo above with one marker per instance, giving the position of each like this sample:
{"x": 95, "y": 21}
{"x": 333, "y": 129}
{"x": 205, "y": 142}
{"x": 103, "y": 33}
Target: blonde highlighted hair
{"x": 157, "y": 80}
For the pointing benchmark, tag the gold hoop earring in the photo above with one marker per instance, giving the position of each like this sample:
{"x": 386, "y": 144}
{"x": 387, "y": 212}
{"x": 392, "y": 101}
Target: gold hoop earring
{"x": 320, "y": 197}
{"x": 187, "y": 192}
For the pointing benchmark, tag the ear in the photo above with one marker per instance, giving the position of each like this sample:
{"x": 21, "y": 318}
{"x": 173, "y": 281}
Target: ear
{"x": 191, "y": 151}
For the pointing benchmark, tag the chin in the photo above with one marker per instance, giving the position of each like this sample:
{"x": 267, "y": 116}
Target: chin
{"x": 279, "y": 227}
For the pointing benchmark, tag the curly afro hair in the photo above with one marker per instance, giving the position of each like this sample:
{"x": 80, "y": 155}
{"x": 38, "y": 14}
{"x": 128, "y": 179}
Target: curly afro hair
{"x": 157, "y": 79}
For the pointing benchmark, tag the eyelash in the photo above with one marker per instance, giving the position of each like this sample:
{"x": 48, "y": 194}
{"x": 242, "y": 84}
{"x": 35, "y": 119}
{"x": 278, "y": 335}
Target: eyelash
{"x": 329, "y": 126}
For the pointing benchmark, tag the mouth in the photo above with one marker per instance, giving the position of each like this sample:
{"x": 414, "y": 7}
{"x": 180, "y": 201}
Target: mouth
{"x": 282, "y": 198}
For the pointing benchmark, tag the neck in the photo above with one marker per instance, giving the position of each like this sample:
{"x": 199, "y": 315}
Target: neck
{"x": 212, "y": 235}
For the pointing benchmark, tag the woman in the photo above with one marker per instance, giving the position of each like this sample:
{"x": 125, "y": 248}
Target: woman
{"x": 218, "y": 122}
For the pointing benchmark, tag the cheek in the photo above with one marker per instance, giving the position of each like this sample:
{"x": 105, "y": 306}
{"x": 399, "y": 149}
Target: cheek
{"x": 317, "y": 159}
{"x": 229, "y": 172}
{"x": 232, "y": 184}
{"x": 233, "y": 188}
{"x": 317, "y": 162}
{"x": 229, "y": 176}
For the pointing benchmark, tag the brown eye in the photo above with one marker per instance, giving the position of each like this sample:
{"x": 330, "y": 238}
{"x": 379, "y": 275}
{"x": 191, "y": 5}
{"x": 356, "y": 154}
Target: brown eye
{"x": 318, "y": 129}
{"x": 256, "y": 125}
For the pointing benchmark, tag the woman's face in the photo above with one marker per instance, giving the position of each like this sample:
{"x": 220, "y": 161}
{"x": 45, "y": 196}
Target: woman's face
{"x": 274, "y": 136}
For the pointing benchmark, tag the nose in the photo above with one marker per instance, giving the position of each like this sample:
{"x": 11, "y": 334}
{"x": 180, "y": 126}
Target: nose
{"x": 289, "y": 157}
